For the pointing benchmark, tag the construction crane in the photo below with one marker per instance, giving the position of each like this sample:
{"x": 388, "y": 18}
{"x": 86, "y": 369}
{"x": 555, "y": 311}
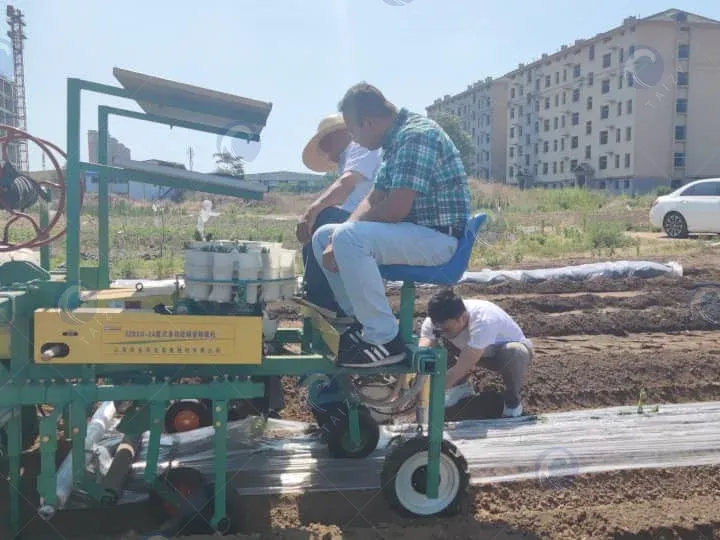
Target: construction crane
{"x": 16, "y": 34}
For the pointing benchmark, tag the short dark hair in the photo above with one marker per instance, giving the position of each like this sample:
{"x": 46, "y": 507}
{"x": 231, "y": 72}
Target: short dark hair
{"x": 363, "y": 100}
{"x": 445, "y": 305}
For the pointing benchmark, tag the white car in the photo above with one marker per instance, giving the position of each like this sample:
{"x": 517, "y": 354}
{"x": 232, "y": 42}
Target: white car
{"x": 693, "y": 208}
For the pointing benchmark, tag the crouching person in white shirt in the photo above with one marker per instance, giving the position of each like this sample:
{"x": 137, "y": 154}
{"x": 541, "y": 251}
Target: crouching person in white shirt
{"x": 484, "y": 335}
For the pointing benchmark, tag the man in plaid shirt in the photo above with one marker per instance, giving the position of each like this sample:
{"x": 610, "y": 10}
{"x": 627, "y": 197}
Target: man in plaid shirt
{"x": 414, "y": 215}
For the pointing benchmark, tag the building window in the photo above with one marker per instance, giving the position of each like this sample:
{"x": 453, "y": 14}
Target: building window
{"x": 617, "y": 161}
{"x": 511, "y": 173}
{"x": 562, "y": 144}
{"x": 545, "y": 168}
{"x": 574, "y": 141}
{"x": 575, "y": 119}
{"x": 512, "y": 132}
{"x": 564, "y": 98}
{"x": 562, "y": 167}
{"x": 679, "y": 159}
{"x": 537, "y": 127}
{"x": 512, "y": 151}
{"x": 555, "y": 146}
{"x": 588, "y": 127}
{"x": 537, "y": 84}
{"x": 602, "y": 163}
{"x": 629, "y": 106}
{"x": 562, "y": 121}
{"x": 682, "y": 78}
{"x": 547, "y": 81}
{"x": 630, "y": 79}
{"x": 628, "y": 133}
{"x": 576, "y": 71}
{"x": 527, "y": 138}
{"x": 680, "y": 133}
{"x": 591, "y": 52}
{"x": 573, "y": 165}
{"x": 546, "y": 147}
{"x": 605, "y": 88}
{"x": 591, "y": 78}
{"x": 627, "y": 161}
{"x": 617, "y": 135}
{"x": 604, "y": 137}
{"x": 620, "y": 83}
{"x": 606, "y": 60}
{"x": 554, "y": 167}
{"x": 681, "y": 106}
{"x": 555, "y": 122}
{"x": 546, "y": 124}
{"x": 621, "y": 57}
{"x": 605, "y": 112}
{"x": 619, "y": 108}
{"x": 512, "y": 92}
{"x": 547, "y": 102}
{"x": 589, "y": 103}
{"x": 576, "y": 94}
{"x": 683, "y": 51}
{"x": 588, "y": 152}
{"x": 557, "y": 100}
{"x": 536, "y": 149}
{"x": 557, "y": 77}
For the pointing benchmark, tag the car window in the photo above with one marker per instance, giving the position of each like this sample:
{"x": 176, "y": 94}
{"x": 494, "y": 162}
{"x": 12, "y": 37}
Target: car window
{"x": 706, "y": 189}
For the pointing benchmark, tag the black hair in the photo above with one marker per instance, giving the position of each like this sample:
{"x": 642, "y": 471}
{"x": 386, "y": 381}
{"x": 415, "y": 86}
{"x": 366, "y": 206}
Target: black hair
{"x": 363, "y": 100}
{"x": 445, "y": 305}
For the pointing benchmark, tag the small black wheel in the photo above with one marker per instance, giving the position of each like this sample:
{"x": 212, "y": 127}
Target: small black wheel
{"x": 404, "y": 479}
{"x": 194, "y": 515}
{"x": 675, "y": 225}
{"x": 336, "y": 425}
{"x": 187, "y": 415}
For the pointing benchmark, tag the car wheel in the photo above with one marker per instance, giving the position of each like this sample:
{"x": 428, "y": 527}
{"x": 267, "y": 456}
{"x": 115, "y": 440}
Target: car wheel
{"x": 675, "y": 225}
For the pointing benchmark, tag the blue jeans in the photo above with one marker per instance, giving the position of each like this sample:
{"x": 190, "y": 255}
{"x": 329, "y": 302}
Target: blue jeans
{"x": 359, "y": 247}
{"x": 315, "y": 284}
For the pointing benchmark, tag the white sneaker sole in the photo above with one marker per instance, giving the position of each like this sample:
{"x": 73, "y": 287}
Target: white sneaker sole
{"x": 389, "y": 361}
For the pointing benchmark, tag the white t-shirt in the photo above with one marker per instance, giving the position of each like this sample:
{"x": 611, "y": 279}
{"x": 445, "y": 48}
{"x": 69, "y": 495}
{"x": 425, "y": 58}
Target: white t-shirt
{"x": 488, "y": 324}
{"x": 361, "y": 160}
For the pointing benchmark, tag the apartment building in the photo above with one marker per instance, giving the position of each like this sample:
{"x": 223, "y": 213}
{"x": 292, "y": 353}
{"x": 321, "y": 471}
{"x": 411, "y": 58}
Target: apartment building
{"x": 627, "y": 110}
{"x": 481, "y": 109}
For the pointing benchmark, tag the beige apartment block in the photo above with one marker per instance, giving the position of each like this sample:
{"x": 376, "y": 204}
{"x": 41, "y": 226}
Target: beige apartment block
{"x": 482, "y": 110}
{"x": 628, "y": 110}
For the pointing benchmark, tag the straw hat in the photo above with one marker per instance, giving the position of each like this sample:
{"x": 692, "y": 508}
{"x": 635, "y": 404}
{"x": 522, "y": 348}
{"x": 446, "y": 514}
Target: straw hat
{"x": 314, "y": 158}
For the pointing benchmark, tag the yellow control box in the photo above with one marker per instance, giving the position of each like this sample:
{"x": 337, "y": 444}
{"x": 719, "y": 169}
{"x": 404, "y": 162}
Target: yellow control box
{"x": 116, "y": 336}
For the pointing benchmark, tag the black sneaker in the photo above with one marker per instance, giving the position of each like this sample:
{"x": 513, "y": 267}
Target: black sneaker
{"x": 354, "y": 352}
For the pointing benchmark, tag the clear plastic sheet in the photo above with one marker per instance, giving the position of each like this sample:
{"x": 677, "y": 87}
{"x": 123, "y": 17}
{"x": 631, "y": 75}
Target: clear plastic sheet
{"x": 284, "y": 457}
{"x": 581, "y": 272}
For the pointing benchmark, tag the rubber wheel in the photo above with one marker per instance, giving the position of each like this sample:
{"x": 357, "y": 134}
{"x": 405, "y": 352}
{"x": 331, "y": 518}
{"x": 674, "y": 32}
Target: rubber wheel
{"x": 335, "y": 422}
{"x": 187, "y": 415}
{"x": 30, "y": 426}
{"x": 675, "y": 226}
{"x": 403, "y": 479}
{"x": 186, "y": 482}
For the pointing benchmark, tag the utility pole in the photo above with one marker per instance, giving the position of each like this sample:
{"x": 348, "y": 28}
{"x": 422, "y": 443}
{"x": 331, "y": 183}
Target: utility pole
{"x": 190, "y": 154}
{"x": 16, "y": 23}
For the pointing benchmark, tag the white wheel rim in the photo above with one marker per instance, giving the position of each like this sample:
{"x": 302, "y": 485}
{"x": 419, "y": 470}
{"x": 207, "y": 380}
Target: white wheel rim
{"x": 419, "y": 503}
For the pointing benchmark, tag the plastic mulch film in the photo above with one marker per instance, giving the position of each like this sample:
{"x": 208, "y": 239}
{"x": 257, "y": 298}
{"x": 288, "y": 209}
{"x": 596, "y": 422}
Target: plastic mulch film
{"x": 283, "y": 457}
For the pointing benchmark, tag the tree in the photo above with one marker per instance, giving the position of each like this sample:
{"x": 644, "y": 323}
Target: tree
{"x": 451, "y": 124}
{"x": 229, "y": 164}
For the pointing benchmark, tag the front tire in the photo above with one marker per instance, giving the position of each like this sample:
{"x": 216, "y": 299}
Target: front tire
{"x": 404, "y": 476}
{"x": 675, "y": 226}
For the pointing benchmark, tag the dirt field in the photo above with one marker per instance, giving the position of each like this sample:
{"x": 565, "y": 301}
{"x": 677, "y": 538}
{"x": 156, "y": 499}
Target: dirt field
{"x": 598, "y": 344}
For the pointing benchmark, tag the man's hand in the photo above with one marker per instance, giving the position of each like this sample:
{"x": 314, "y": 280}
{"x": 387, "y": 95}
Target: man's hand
{"x": 304, "y": 227}
{"x": 328, "y": 259}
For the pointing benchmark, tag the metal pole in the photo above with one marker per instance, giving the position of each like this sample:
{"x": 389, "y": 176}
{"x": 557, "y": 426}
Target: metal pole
{"x": 72, "y": 260}
{"x": 103, "y": 201}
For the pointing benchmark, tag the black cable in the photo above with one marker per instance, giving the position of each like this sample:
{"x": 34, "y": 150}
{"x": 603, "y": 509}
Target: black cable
{"x": 17, "y": 191}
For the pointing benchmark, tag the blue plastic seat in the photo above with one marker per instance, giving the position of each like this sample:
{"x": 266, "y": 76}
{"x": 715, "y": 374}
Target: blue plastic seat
{"x": 447, "y": 274}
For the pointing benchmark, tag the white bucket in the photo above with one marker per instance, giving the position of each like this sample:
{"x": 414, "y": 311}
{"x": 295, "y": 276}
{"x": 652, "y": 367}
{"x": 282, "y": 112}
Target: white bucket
{"x": 198, "y": 265}
{"x": 223, "y": 269}
{"x": 287, "y": 270}
{"x": 248, "y": 267}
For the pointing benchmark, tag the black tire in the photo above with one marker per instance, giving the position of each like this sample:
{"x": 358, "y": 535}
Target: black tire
{"x": 30, "y": 426}
{"x": 187, "y": 415}
{"x": 400, "y": 475}
{"x": 674, "y": 225}
{"x": 335, "y": 422}
{"x": 192, "y": 486}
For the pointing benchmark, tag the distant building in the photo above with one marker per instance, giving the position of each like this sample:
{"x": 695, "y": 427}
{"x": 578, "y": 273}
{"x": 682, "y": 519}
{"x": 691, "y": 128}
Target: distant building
{"x": 481, "y": 109}
{"x": 288, "y": 179}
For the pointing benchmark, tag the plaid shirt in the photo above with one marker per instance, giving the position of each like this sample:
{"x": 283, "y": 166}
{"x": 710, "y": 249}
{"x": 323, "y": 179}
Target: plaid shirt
{"x": 419, "y": 155}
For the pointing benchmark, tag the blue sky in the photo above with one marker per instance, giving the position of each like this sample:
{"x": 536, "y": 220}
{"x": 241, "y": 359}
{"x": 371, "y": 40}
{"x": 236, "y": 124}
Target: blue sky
{"x": 301, "y": 55}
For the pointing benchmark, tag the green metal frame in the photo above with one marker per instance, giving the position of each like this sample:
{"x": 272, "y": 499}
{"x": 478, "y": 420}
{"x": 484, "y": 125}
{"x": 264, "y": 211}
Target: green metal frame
{"x": 71, "y": 390}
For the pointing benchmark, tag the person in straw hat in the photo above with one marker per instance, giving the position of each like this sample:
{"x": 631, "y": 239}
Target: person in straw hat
{"x": 332, "y": 149}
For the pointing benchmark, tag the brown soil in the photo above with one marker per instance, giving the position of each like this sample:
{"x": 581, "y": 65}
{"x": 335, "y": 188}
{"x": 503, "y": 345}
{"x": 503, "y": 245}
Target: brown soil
{"x": 598, "y": 344}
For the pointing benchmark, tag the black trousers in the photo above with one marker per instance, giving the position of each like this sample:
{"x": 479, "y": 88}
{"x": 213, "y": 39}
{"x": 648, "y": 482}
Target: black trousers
{"x": 315, "y": 284}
